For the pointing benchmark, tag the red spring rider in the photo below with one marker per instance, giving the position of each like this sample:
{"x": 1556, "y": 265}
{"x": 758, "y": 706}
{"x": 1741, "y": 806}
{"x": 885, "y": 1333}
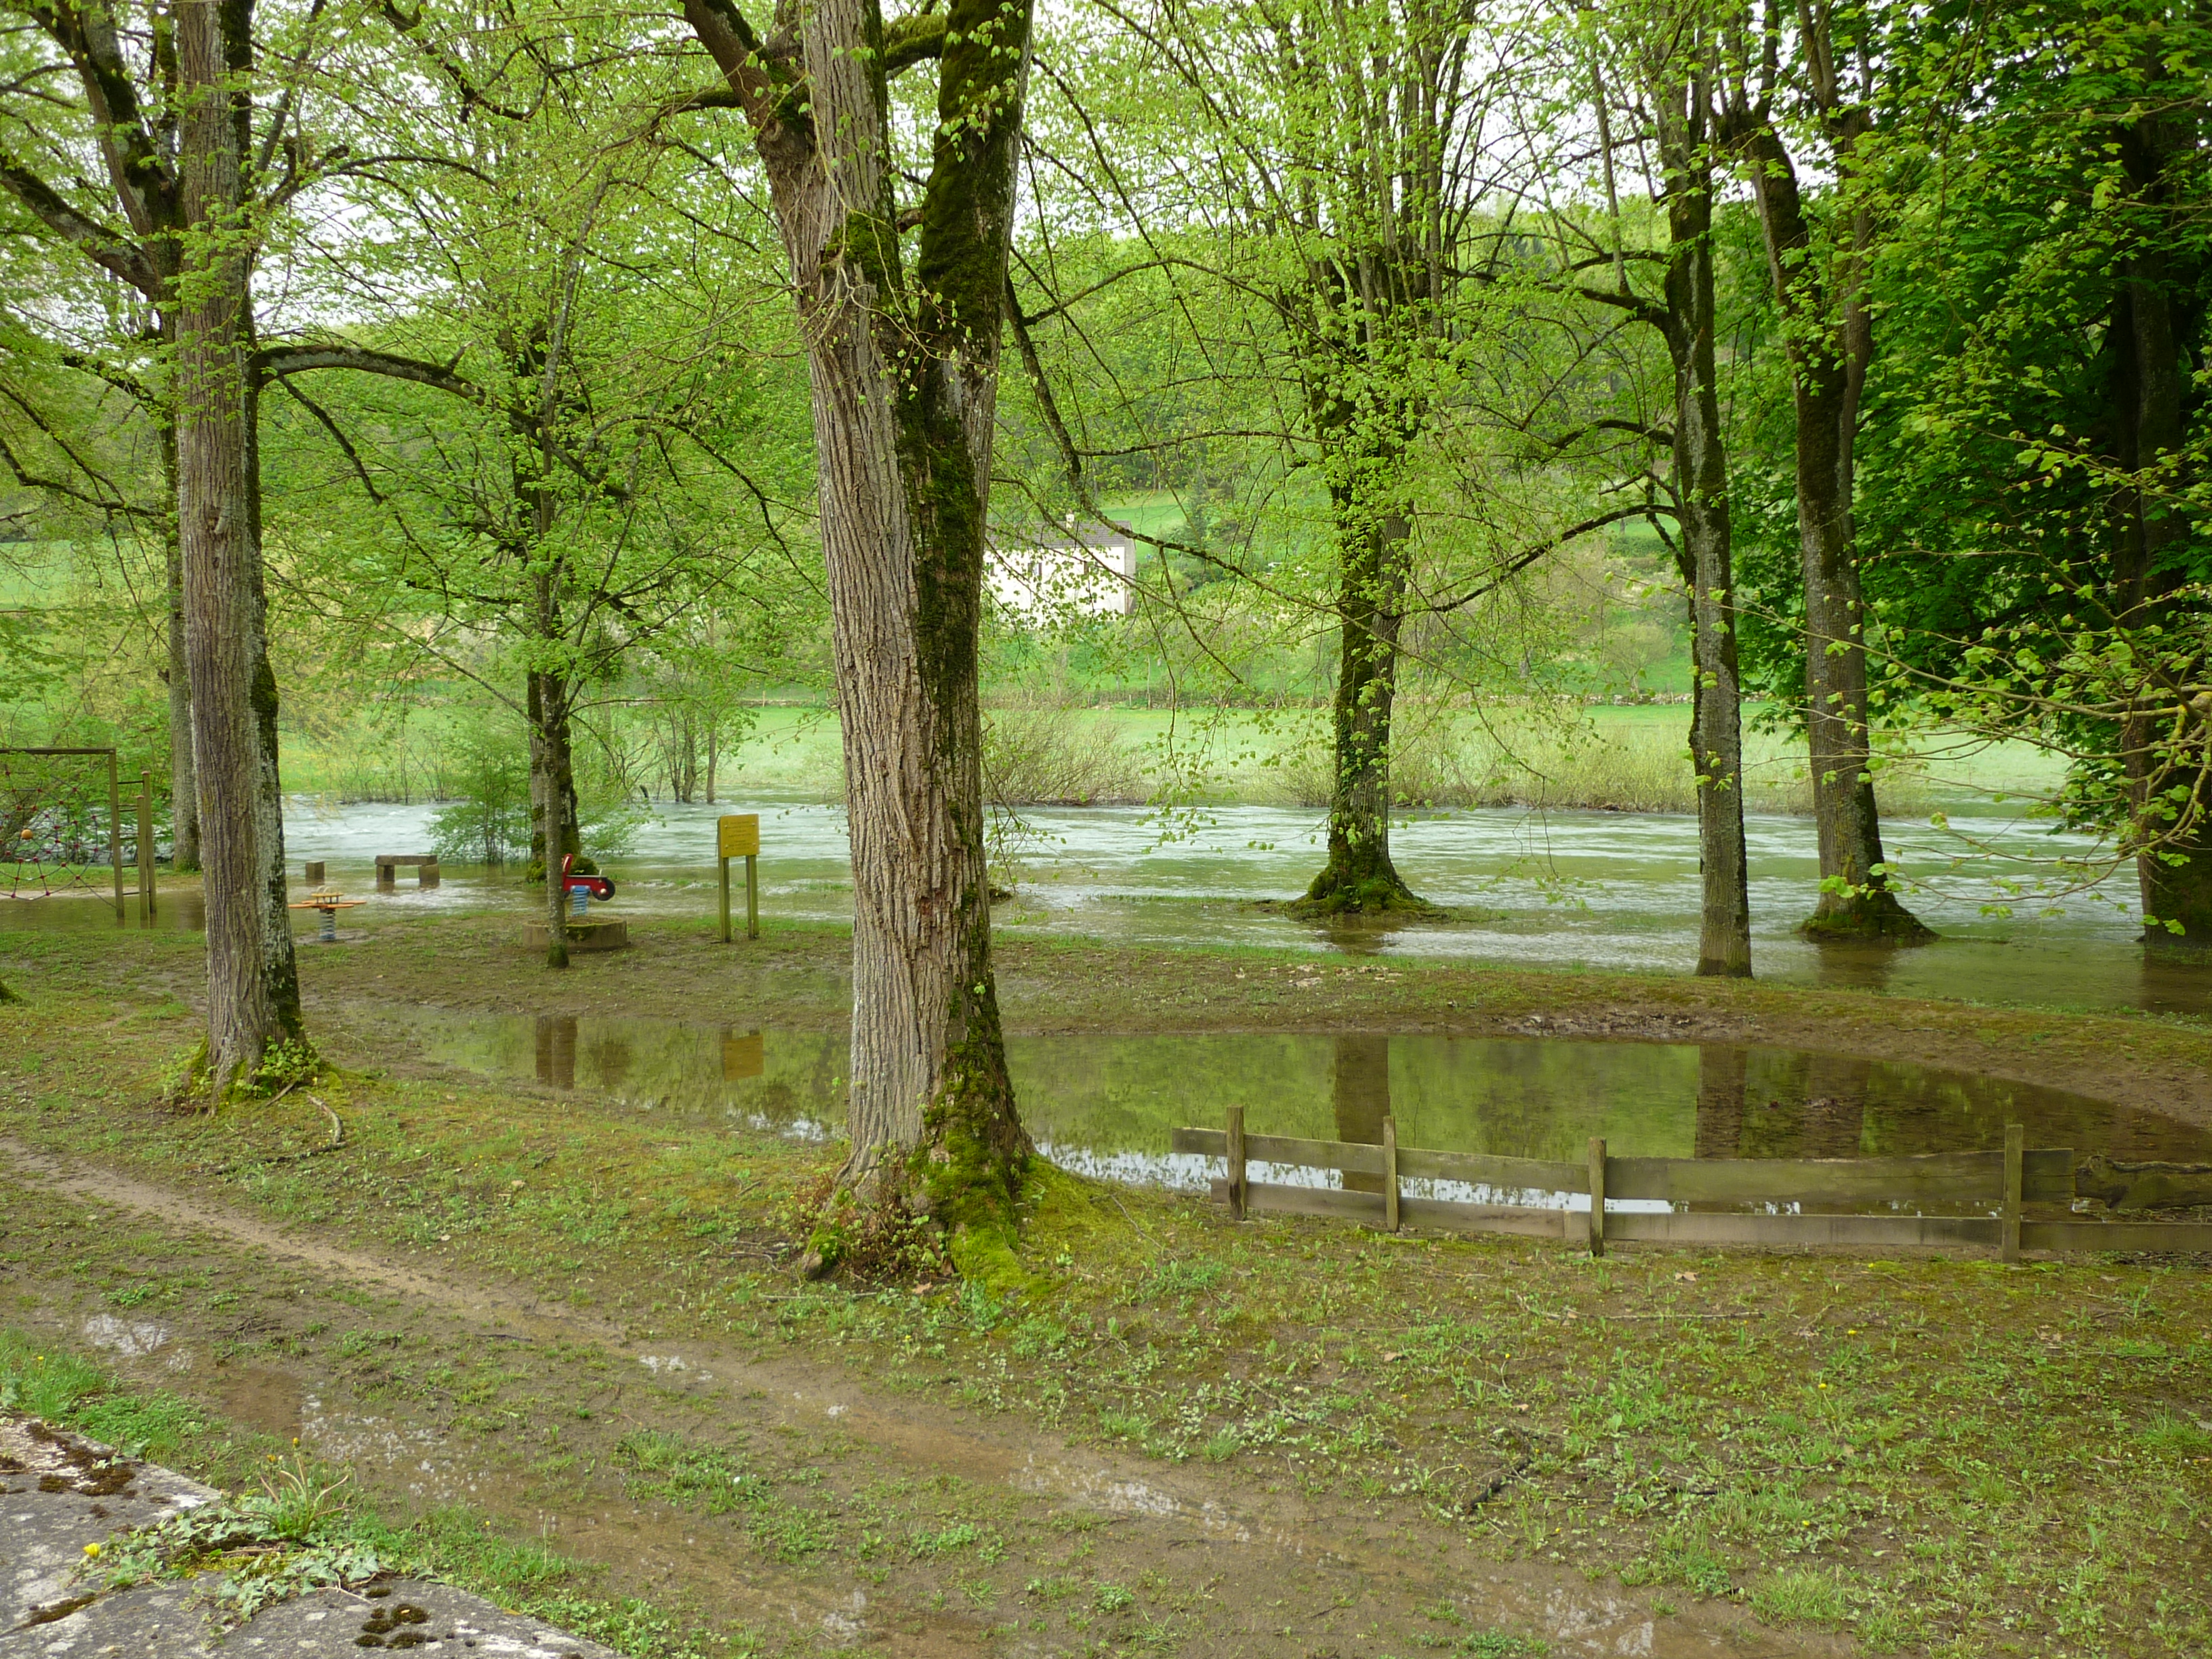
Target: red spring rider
{"x": 582, "y": 890}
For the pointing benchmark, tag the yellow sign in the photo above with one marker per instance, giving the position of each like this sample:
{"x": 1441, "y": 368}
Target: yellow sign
{"x": 739, "y": 835}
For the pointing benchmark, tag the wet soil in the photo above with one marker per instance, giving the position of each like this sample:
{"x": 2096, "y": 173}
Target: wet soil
{"x": 1055, "y": 1544}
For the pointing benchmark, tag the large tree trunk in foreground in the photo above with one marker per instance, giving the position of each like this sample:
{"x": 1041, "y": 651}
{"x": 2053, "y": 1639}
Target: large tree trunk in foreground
{"x": 1828, "y": 359}
{"x": 903, "y": 371}
{"x": 184, "y": 792}
{"x": 1701, "y": 491}
{"x": 1359, "y": 875}
{"x": 253, "y": 996}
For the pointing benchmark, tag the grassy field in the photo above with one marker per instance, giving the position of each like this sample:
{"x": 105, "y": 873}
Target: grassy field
{"x": 1935, "y": 1456}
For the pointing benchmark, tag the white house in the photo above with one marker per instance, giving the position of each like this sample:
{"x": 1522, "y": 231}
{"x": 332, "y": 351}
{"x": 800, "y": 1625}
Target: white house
{"x": 1082, "y": 572}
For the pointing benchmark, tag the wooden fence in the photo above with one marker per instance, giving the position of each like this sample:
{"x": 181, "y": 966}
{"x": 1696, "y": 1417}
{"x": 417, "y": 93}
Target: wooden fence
{"x": 2003, "y": 1183}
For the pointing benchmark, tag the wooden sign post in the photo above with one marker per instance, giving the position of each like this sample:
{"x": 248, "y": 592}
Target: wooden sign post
{"x": 738, "y": 836}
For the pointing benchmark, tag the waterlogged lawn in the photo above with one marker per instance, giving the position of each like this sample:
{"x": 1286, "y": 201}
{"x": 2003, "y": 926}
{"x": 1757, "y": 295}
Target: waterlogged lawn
{"x": 1951, "y": 1456}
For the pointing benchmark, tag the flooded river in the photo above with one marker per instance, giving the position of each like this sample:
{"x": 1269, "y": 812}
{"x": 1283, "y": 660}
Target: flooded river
{"x": 1565, "y": 890}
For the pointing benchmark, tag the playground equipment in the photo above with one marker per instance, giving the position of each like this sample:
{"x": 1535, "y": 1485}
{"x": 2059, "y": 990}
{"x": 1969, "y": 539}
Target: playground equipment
{"x": 330, "y": 902}
{"x": 56, "y": 838}
{"x": 738, "y": 836}
{"x": 582, "y": 933}
{"x": 583, "y": 889}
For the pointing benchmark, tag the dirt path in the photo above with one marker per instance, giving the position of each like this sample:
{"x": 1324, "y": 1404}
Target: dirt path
{"x": 1089, "y": 1545}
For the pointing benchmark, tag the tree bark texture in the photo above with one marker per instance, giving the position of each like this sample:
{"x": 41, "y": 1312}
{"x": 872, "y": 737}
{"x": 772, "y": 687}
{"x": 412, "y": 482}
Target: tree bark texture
{"x": 2174, "y": 862}
{"x": 902, "y": 369}
{"x": 1359, "y": 875}
{"x": 1702, "y": 507}
{"x": 556, "y": 828}
{"x": 252, "y": 991}
{"x": 1827, "y": 357}
{"x": 183, "y": 791}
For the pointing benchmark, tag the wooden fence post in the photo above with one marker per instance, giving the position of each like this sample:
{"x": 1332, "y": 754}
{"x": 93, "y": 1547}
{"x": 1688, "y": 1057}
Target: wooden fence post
{"x": 1236, "y": 1151}
{"x": 1389, "y": 1173}
{"x": 1597, "y": 1195}
{"x": 2016, "y": 1144}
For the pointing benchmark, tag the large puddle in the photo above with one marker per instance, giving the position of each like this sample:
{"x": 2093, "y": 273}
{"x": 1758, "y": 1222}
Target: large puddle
{"x": 1107, "y": 1105}
{"x": 1600, "y": 890}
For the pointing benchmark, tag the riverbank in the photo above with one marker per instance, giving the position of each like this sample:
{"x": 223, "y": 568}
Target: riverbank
{"x": 1605, "y": 756}
{"x": 1276, "y": 1437}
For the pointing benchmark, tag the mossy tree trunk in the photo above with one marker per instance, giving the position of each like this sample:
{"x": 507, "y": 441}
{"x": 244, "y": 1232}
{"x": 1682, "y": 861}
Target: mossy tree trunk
{"x": 1359, "y": 875}
{"x": 252, "y": 985}
{"x": 1828, "y": 343}
{"x": 902, "y": 363}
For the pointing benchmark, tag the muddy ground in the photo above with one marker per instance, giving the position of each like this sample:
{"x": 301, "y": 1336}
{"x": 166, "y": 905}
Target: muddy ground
{"x": 1282, "y": 1438}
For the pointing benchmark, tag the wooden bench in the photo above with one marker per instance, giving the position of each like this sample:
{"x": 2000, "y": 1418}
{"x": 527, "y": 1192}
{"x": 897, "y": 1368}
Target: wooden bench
{"x": 426, "y": 868}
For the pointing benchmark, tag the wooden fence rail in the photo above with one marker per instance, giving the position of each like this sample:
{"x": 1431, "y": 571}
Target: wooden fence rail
{"x": 2005, "y": 1182}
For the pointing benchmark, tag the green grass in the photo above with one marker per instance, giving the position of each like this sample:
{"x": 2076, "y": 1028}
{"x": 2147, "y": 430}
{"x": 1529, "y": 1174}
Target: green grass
{"x": 1943, "y": 1454}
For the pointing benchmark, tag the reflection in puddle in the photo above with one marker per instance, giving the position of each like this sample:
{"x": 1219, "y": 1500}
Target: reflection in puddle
{"x": 1107, "y": 1105}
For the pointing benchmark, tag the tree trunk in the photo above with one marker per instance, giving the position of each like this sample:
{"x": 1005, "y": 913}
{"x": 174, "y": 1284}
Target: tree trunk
{"x": 1359, "y": 875}
{"x": 1827, "y": 361}
{"x": 904, "y": 382}
{"x": 251, "y": 1002}
{"x": 2174, "y": 862}
{"x": 1702, "y": 502}
{"x": 184, "y": 792}
{"x": 555, "y": 832}
{"x": 279, "y": 964}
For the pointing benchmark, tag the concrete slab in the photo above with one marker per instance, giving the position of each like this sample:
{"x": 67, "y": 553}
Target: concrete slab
{"x": 59, "y": 1491}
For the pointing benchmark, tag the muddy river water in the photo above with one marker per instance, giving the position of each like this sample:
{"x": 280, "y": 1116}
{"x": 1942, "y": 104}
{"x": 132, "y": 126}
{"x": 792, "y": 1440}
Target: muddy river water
{"x": 1562, "y": 889}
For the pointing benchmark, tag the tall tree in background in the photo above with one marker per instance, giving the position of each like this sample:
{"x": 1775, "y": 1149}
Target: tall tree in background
{"x": 1673, "y": 49}
{"x": 903, "y": 352}
{"x": 1819, "y": 285}
{"x": 2042, "y": 437}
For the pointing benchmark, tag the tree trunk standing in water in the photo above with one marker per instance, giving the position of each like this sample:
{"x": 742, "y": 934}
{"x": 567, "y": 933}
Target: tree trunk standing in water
{"x": 903, "y": 370}
{"x": 1683, "y": 110}
{"x": 555, "y": 830}
{"x": 253, "y": 996}
{"x": 1677, "y": 81}
{"x": 1827, "y": 338}
{"x": 2148, "y": 385}
{"x": 1359, "y": 875}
